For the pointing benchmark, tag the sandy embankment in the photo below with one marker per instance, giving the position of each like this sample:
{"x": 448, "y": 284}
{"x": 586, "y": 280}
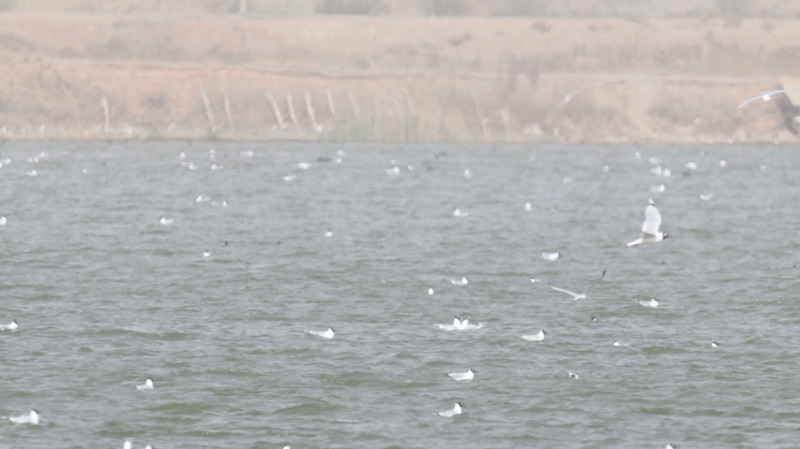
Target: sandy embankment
{"x": 394, "y": 79}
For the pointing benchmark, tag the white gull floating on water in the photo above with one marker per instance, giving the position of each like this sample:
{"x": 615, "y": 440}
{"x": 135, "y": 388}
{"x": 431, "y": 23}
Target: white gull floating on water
{"x": 460, "y": 282}
{"x": 148, "y": 385}
{"x": 30, "y": 418}
{"x": 456, "y": 410}
{"x": 652, "y": 303}
{"x": 539, "y": 336}
{"x": 460, "y": 323}
{"x": 327, "y": 334}
{"x": 468, "y": 375}
{"x": 12, "y": 326}
{"x": 550, "y": 257}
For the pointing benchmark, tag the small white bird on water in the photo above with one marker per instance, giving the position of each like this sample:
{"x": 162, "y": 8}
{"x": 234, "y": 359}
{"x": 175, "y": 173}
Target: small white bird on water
{"x": 127, "y": 444}
{"x": 455, "y": 326}
{"x": 166, "y": 221}
{"x": 550, "y": 257}
{"x": 467, "y": 376}
{"x": 766, "y": 96}
{"x": 650, "y": 227}
{"x": 539, "y": 336}
{"x": 456, "y": 410}
{"x": 573, "y": 375}
{"x": 460, "y": 282}
{"x": 460, "y": 323}
{"x": 30, "y": 418}
{"x": 582, "y": 295}
{"x": 327, "y": 335}
{"x": 147, "y": 385}
{"x": 3, "y": 220}
{"x": 652, "y": 303}
{"x": 12, "y": 326}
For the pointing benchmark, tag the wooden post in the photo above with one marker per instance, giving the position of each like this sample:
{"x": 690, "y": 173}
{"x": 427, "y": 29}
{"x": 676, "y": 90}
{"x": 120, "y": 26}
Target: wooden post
{"x": 353, "y": 104}
{"x": 227, "y": 100}
{"x": 310, "y": 110}
{"x": 506, "y": 122}
{"x": 330, "y": 102}
{"x": 292, "y": 115}
{"x": 481, "y": 119}
{"x": 411, "y": 106}
{"x": 107, "y": 121}
{"x": 207, "y": 104}
{"x": 275, "y": 110}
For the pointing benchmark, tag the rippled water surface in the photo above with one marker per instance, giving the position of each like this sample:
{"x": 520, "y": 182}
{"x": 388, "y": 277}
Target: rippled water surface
{"x": 106, "y": 296}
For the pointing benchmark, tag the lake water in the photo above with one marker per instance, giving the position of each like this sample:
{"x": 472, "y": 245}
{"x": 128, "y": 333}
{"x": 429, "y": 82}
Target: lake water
{"x": 106, "y": 296}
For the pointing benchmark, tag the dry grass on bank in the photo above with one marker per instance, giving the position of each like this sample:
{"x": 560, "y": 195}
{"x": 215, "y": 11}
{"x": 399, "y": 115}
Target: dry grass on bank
{"x": 392, "y": 79}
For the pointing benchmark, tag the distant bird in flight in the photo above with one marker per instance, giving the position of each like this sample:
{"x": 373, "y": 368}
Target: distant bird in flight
{"x": 766, "y": 96}
{"x": 582, "y": 295}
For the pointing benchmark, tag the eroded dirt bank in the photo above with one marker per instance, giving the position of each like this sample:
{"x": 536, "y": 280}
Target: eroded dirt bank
{"x": 96, "y": 76}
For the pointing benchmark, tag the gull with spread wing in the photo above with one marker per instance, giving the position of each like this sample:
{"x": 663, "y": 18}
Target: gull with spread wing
{"x": 582, "y": 295}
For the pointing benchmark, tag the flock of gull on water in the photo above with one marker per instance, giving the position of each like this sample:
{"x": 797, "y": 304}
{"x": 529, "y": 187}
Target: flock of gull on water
{"x": 650, "y": 233}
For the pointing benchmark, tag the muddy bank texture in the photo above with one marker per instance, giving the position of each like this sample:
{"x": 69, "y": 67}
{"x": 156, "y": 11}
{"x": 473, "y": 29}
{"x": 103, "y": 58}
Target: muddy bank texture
{"x": 336, "y": 78}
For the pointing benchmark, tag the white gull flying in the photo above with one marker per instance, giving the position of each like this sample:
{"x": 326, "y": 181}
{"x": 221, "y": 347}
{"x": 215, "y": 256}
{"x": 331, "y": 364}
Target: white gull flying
{"x": 650, "y": 228}
{"x": 766, "y": 96}
{"x": 582, "y": 295}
